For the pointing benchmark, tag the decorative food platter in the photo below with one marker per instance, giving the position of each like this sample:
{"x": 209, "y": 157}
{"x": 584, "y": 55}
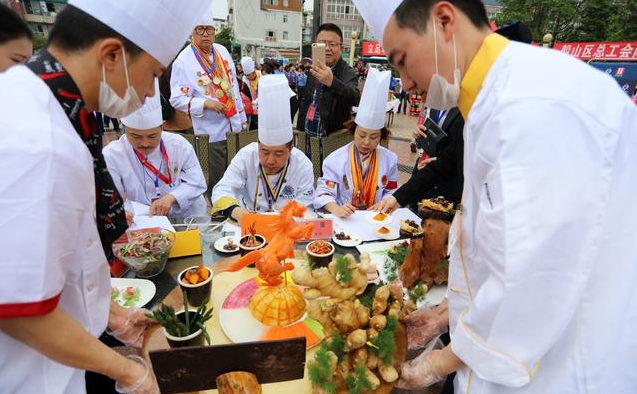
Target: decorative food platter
{"x": 239, "y": 326}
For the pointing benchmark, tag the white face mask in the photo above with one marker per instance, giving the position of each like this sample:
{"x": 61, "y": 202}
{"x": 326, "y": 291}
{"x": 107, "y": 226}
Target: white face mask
{"x": 111, "y": 104}
{"x": 443, "y": 95}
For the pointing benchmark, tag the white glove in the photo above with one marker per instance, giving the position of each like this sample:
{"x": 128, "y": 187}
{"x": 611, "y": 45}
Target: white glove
{"x": 424, "y": 370}
{"x": 131, "y": 327}
{"x": 146, "y": 384}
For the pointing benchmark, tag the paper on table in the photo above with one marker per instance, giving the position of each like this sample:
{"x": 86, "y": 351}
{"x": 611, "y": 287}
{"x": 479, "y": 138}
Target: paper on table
{"x": 141, "y": 222}
{"x": 140, "y": 209}
{"x": 358, "y": 223}
{"x": 231, "y": 228}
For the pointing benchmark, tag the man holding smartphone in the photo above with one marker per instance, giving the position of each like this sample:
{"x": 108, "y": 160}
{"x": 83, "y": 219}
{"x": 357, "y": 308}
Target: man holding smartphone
{"x": 331, "y": 90}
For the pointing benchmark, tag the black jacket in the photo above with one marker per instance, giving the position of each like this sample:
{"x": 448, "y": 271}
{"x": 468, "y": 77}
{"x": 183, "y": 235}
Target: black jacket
{"x": 442, "y": 177}
{"x": 336, "y": 102}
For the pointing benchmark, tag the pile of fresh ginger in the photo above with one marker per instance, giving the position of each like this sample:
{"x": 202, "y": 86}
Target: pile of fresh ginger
{"x": 358, "y": 352}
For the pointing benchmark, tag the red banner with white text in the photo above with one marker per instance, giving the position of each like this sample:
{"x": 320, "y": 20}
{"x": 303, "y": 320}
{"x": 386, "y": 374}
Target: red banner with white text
{"x": 612, "y": 51}
{"x": 372, "y": 48}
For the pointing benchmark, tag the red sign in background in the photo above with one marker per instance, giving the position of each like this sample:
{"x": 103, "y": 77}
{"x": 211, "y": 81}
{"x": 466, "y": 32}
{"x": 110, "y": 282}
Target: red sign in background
{"x": 372, "y": 48}
{"x": 617, "y": 51}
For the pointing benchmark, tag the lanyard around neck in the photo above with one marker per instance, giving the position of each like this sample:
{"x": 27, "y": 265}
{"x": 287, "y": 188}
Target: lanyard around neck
{"x": 273, "y": 192}
{"x": 158, "y": 174}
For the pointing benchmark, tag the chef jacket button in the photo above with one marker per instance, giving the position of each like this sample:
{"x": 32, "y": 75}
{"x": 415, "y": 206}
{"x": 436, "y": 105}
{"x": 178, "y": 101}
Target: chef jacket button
{"x": 90, "y": 288}
{"x": 455, "y": 289}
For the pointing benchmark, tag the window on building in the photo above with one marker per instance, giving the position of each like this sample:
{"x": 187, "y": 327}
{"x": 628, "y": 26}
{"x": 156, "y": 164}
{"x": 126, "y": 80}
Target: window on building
{"x": 50, "y": 7}
{"x": 342, "y": 9}
{"x": 40, "y": 29}
{"x": 286, "y": 3}
{"x": 285, "y": 18}
{"x": 285, "y": 35}
{"x": 270, "y": 35}
{"x": 271, "y": 2}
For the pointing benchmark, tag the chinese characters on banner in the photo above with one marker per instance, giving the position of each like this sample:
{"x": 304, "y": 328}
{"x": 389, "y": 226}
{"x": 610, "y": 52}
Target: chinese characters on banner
{"x": 372, "y": 48}
{"x": 618, "y": 51}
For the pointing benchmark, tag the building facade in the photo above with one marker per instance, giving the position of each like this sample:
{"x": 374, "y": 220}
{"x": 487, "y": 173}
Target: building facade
{"x": 39, "y": 15}
{"x": 493, "y": 8}
{"x": 344, "y": 14}
{"x": 267, "y": 28}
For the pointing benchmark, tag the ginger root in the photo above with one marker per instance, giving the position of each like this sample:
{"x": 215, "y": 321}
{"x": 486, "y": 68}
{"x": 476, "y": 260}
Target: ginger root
{"x": 324, "y": 281}
{"x": 378, "y": 322}
{"x": 379, "y": 304}
{"x": 356, "y": 340}
{"x": 349, "y": 315}
{"x": 388, "y": 373}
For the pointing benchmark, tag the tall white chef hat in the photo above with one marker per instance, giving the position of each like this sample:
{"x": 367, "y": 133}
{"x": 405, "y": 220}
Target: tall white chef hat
{"x": 247, "y": 63}
{"x": 149, "y": 115}
{"x": 373, "y": 104}
{"x": 377, "y": 13}
{"x": 160, "y": 27}
{"x": 204, "y": 18}
{"x": 275, "y": 123}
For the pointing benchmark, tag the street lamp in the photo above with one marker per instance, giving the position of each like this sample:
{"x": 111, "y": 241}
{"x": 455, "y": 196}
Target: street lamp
{"x": 547, "y": 40}
{"x": 352, "y": 48}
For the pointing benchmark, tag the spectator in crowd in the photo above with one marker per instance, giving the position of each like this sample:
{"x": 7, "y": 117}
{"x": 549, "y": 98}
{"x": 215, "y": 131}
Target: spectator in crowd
{"x": 332, "y": 88}
{"x": 204, "y": 85}
{"x": 15, "y": 39}
{"x": 250, "y": 88}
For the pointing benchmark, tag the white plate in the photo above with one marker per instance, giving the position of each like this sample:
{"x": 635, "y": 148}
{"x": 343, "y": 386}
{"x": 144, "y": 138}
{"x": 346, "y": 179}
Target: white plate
{"x": 370, "y": 218}
{"x": 219, "y": 244}
{"x": 390, "y": 236}
{"x": 146, "y": 288}
{"x": 354, "y": 241}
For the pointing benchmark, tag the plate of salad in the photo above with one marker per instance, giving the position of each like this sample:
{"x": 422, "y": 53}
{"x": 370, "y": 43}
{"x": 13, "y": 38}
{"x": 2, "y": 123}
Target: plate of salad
{"x": 131, "y": 293}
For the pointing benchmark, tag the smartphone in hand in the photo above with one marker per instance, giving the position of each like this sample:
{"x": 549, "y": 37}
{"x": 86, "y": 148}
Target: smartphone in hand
{"x": 434, "y": 135}
{"x": 318, "y": 52}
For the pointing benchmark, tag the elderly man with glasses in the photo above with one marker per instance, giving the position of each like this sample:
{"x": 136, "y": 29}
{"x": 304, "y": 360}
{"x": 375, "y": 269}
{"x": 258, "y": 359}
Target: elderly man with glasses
{"x": 332, "y": 88}
{"x": 204, "y": 84}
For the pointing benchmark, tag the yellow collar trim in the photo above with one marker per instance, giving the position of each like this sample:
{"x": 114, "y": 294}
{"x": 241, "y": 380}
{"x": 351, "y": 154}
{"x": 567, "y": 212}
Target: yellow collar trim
{"x": 471, "y": 84}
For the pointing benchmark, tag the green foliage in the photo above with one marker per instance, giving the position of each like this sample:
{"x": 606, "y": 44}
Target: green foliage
{"x": 385, "y": 343}
{"x": 336, "y": 344}
{"x": 225, "y": 38}
{"x": 367, "y": 298}
{"x": 574, "y": 20}
{"x": 343, "y": 272}
{"x": 320, "y": 371}
{"x": 357, "y": 381}
{"x": 39, "y": 41}
{"x": 418, "y": 292}
{"x": 395, "y": 258}
{"x": 165, "y": 315}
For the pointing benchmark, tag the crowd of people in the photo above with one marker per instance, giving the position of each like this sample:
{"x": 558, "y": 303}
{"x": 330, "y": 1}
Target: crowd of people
{"x": 542, "y": 166}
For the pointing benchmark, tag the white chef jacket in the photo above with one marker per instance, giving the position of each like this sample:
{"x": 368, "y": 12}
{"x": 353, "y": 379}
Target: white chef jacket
{"x": 52, "y": 254}
{"x": 137, "y": 183}
{"x": 331, "y": 188}
{"x": 543, "y": 264}
{"x": 187, "y": 96}
{"x": 243, "y": 177}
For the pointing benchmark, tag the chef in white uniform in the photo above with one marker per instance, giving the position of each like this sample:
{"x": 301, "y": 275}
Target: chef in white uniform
{"x": 54, "y": 279}
{"x": 155, "y": 168}
{"x": 204, "y": 84}
{"x": 542, "y": 270}
{"x": 264, "y": 175}
{"x": 361, "y": 173}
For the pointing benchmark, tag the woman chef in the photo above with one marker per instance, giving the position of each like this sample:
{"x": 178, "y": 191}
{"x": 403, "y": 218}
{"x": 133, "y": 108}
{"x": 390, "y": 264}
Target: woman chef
{"x": 361, "y": 173}
{"x": 155, "y": 168}
{"x": 263, "y": 176}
